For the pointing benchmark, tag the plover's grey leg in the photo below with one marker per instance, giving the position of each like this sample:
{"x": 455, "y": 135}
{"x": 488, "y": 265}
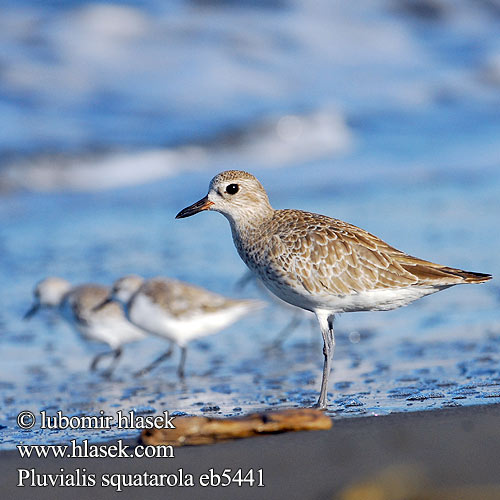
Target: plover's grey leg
{"x": 156, "y": 362}
{"x": 180, "y": 370}
{"x": 326, "y": 325}
{"x": 286, "y": 332}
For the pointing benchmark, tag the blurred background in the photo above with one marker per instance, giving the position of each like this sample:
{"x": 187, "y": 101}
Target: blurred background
{"x": 115, "y": 116}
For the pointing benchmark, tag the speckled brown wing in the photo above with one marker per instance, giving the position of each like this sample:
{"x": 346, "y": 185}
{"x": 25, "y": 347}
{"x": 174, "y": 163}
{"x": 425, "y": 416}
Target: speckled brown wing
{"x": 332, "y": 256}
{"x": 180, "y": 299}
{"x": 84, "y": 298}
{"x": 79, "y": 313}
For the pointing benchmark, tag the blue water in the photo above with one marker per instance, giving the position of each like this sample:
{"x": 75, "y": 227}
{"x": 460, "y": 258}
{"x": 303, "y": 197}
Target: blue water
{"x": 368, "y": 113}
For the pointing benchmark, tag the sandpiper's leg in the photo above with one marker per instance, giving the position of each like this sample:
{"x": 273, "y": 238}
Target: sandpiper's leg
{"x": 244, "y": 280}
{"x": 98, "y": 357}
{"x": 156, "y": 362}
{"x": 326, "y": 325}
{"x": 286, "y": 332}
{"x": 180, "y": 370}
{"x": 116, "y": 356}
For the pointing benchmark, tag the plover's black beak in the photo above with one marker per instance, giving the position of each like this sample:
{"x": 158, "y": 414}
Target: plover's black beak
{"x": 104, "y": 303}
{"x": 203, "y": 204}
{"x": 34, "y": 308}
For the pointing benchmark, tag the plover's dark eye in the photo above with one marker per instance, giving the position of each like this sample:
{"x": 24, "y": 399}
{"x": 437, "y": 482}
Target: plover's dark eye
{"x": 232, "y": 189}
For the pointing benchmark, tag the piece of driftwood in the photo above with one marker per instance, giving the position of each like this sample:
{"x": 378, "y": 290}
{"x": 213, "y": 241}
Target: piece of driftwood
{"x": 205, "y": 430}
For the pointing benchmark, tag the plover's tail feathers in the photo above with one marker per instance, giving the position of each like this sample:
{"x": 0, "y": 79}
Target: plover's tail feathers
{"x": 468, "y": 276}
{"x": 429, "y": 272}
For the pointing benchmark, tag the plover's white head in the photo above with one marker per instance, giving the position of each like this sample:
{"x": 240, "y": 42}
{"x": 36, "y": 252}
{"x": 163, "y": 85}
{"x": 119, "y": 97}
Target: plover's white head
{"x": 48, "y": 293}
{"x": 124, "y": 288}
{"x": 237, "y": 195}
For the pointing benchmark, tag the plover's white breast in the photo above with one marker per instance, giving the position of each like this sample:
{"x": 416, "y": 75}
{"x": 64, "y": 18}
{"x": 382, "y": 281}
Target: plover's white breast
{"x": 370, "y": 300}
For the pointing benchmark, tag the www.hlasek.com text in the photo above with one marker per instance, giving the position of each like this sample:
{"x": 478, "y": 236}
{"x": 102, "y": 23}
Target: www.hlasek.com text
{"x": 87, "y": 450}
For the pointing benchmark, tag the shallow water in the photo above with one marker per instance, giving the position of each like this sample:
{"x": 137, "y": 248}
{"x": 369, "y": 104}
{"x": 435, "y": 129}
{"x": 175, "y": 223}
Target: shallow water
{"x": 377, "y": 117}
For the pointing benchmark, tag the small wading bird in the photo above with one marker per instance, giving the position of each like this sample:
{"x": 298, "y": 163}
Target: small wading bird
{"x": 175, "y": 311}
{"x": 77, "y": 306}
{"x": 321, "y": 264}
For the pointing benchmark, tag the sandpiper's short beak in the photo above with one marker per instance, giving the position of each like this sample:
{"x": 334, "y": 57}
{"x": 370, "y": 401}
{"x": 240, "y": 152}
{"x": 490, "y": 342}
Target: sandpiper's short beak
{"x": 104, "y": 303}
{"x": 203, "y": 204}
{"x": 34, "y": 308}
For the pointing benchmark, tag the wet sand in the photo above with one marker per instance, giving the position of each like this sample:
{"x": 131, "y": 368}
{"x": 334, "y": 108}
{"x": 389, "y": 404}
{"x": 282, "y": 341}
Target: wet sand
{"x": 429, "y": 454}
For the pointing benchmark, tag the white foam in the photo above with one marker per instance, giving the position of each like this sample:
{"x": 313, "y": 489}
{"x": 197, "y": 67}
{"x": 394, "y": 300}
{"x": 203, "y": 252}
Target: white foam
{"x": 128, "y": 64}
{"x": 276, "y": 142}
{"x": 313, "y": 53}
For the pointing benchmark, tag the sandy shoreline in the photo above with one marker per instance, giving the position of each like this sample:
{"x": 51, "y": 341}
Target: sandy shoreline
{"x": 449, "y": 448}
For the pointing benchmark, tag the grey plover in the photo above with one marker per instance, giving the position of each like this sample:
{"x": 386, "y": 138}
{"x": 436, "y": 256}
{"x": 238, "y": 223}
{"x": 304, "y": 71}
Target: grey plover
{"x": 176, "y": 311}
{"x": 77, "y": 305}
{"x": 321, "y": 264}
